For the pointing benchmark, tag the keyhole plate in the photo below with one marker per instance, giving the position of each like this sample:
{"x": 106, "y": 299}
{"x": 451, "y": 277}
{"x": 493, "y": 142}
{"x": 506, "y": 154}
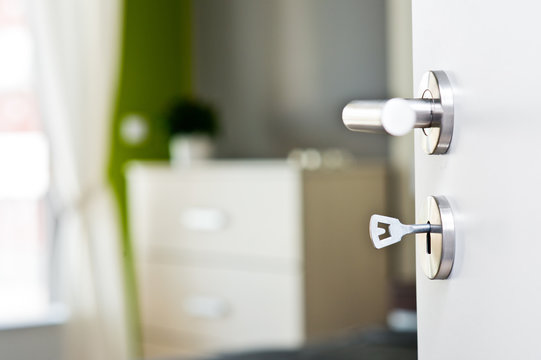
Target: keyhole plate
{"x": 438, "y": 262}
{"x": 435, "y": 85}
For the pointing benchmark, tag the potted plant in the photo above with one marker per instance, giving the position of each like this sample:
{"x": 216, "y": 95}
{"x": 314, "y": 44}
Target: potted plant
{"x": 192, "y": 126}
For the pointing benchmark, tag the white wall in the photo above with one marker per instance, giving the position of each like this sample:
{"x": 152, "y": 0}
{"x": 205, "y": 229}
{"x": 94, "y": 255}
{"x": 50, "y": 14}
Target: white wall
{"x": 280, "y": 71}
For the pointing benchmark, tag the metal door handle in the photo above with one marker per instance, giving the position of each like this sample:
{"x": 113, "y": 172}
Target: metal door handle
{"x": 432, "y": 111}
{"x": 395, "y": 116}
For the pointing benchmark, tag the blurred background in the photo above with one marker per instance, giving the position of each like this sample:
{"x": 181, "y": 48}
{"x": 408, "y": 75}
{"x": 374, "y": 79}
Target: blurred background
{"x": 177, "y": 182}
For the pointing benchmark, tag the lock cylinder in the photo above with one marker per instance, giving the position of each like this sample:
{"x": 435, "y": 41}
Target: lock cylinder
{"x": 435, "y": 236}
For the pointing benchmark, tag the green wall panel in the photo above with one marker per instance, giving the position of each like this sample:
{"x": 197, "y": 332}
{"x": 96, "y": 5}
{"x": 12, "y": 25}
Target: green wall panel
{"x": 155, "y": 68}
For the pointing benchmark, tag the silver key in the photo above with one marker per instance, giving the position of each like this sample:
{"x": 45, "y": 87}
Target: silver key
{"x": 385, "y": 230}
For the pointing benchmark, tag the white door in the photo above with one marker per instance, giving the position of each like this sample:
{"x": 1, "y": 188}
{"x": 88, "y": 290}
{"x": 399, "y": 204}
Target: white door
{"x": 490, "y": 306}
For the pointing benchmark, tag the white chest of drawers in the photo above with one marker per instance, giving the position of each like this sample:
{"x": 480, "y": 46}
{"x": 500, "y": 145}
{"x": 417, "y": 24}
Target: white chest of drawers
{"x": 247, "y": 254}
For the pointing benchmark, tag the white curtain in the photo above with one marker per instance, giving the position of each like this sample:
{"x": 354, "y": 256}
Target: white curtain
{"x": 78, "y": 47}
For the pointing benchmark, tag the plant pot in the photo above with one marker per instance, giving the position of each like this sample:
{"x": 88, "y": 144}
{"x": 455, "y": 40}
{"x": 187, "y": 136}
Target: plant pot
{"x": 188, "y": 149}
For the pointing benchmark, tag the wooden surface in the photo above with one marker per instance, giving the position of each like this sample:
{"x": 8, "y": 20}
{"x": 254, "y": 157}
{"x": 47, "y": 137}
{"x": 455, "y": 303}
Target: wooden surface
{"x": 345, "y": 276}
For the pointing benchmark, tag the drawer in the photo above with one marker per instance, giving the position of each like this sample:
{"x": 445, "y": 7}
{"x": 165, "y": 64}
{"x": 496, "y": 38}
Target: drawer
{"x": 226, "y": 210}
{"x": 223, "y": 309}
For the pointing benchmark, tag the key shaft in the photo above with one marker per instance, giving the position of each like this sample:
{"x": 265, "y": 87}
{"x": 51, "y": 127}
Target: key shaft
{"x": 416, "y": 229}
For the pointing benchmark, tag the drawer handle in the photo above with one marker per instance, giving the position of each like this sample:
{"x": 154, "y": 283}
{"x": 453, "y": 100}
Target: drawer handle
{"x": 203, "y": 219}
{"x": 206, "y": 307}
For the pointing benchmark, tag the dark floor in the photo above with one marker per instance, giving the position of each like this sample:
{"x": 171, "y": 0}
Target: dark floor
{"x": 363, "y": 345}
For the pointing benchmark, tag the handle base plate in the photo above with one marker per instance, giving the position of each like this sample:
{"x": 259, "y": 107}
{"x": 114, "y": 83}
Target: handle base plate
{"x": 435, "y": 85}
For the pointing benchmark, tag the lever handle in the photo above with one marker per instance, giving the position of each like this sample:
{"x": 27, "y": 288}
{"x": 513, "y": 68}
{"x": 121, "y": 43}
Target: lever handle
{"x": 432, "y": 111}
{"x": 395, "y": 116}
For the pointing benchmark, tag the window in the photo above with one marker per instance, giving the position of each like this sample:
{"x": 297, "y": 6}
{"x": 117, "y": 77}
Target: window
{"x": 24, "y": 175}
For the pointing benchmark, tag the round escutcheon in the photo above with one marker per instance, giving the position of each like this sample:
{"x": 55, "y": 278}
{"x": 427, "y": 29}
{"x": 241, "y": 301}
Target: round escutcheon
{"x": 436, "y": 249}
{"x": 435, "y": 85}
